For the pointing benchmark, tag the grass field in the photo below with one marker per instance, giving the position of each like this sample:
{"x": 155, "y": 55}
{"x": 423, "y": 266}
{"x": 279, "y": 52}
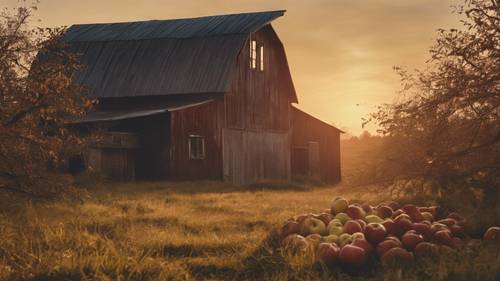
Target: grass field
{"x": 189, "y": 231}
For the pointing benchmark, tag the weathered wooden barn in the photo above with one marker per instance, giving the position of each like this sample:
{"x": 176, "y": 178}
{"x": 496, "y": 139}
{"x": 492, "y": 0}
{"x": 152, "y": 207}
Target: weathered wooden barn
{"x": 200, "y": 98}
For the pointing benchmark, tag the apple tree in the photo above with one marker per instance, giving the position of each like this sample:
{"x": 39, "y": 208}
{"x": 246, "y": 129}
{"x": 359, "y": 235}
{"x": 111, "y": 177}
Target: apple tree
{"x": 37, "y": 99}
{"x": 445, "y": 128}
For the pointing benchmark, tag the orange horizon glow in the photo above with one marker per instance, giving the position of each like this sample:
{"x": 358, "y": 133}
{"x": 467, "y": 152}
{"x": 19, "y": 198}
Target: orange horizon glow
{"x": 341, "y": 53}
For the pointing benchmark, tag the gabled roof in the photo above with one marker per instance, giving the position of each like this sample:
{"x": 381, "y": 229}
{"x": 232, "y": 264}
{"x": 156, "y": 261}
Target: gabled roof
{"x": 243, "y": 23}
{"x": 162, "y": 57}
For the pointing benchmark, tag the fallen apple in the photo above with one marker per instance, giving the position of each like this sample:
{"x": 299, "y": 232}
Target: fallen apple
{"x": 422, "y": 228}
{"x": 290, "y": 227}
{"x": 365, "y": 245}
{"x": 339, "y": 205}
{"x": 443, "y": 237}
{"x": 328, "y": 253}
{"x": 335, "y": 227}
{"x": 358, "y": 235}
{"x": 352, "y": 226}
{"x": 397, "y": 256}
{"x": 425, "y": 250}
{"x": 375, "y": 232}
{"x": 392, "y": 228}
{"x": 373, "y": 218}
{"x": 411, "y": 239}
{"x": 384, "y": 211}
{"x": 394, "y": 205}
{"x": 324, "y": 217}
{"x": 409, "y": 208}
{"x": 448, "y": 222}
{"x": 332, "y": 238}
{"x": 355, "y": 212}
{"x": 345, "y": 239}
{"x": 312, "y": 226}
{"x": 295, "y": 243}
{"x": 367, "y": 208}
{"x": 342, "y": 217}
{"x": 428, "y": 216}
{"x": 362, "y": 223}
{"x": 492, "y": 235}
{"x": 404, "y": 222}
{"x": 386, "y": 245}
{"x": 352, "y": 256}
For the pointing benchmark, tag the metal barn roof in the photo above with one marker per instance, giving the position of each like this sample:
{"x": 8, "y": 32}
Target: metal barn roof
{"x": 137, "y": 111}
{"x": 176, "y": 28}
{"x": 162, "y": 57}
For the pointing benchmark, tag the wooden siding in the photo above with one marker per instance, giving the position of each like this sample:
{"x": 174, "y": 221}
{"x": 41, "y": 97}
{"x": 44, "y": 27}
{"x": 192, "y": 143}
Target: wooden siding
{"x": 204, "y": 120}
{"x": 306, "y": 132}
{"x": 249, "y": 156}
{"x": 260, "y": 100}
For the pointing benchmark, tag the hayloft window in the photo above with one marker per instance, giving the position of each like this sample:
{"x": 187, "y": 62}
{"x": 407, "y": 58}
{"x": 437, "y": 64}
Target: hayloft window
{"x": 196, "y": 147}
{"x": 253, "y": 54}
{"x": 261, "y": 64}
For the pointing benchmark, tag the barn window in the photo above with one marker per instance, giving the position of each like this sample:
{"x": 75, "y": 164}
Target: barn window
{"x": 196, "y": 147}
{"x": 253, "y": 54}
{"x": 261, "y": 58}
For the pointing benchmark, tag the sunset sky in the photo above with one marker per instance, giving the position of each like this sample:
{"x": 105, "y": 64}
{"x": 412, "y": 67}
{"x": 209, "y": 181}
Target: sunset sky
{"x": 341, "y": 52}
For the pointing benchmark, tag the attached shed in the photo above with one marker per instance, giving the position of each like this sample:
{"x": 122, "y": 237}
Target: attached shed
{"x": 315, "y": 148}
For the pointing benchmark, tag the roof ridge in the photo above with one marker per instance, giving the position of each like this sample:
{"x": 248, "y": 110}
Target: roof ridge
{"x": 187, "y": 18}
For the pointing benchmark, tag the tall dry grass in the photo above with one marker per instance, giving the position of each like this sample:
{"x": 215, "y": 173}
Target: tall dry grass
{"x": 187, "y": 231}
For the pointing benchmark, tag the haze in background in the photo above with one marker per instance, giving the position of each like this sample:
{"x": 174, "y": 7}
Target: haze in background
{"x": 341, "y": 52}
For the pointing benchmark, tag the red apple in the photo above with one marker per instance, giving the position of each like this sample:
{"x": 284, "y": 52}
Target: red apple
{"x": 394, "y": 205}
{"x": 362, "y": 243}
{"x": 492, "y": 235}
{"x": 375, "y": 232}
{"x": 352, "y": 256}
{"x": 392, "y": 228}
{"x": 300, "y": 218}
{"x": 386, "y": 245}
{"x": 457, "y": 230}
{"x": 352, "y": 226}
{"x": 328, "y": 253}
{"x": 362, "y": 223}
{"x": 443, "y": 237}
{"x": 411, "y": 239}
{"x": 384, "y": 211}
{"x": 367, "y": 208}
{"x": 422, "y": 228}
{"x": 396, "y": 213}
{"x": 456, "y": 216}
{"x": 404, "y": 222}
{"x": 355, "y": 212}
{"x": 426, "y": 249}
{"x": 448, "y": 222}
{"x": 314, "y": 240}
{"x": 416, "y": 216}
{"x": 324, "y": 217}
{"x": 397, "y": 256}
{"x": 409, "y": 208}
{"x": 290, "y": 227}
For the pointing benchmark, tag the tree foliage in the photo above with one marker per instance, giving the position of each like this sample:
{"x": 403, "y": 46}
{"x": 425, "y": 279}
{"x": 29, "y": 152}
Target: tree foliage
{"x": 445, "y": 126}
{"x": 37, "y": 99}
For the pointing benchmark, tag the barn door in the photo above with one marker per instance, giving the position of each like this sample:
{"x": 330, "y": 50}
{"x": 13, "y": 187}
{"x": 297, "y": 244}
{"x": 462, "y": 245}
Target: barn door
{"x": 314, "y": 166}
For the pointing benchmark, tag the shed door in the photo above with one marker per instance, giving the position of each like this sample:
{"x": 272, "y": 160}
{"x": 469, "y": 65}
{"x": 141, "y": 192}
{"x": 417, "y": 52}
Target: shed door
{"x": 314, "y": 166}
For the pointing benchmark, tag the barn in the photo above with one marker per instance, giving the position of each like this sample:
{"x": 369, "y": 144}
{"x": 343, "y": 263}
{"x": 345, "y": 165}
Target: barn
{"x": 200, "y": 98}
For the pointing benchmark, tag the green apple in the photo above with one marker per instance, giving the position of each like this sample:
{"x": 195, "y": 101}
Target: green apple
{"x": 332, "y": 238}
{"x": 345, "y": 239}
{"x": 342, "y": 217}
{"x": 312, "y": 226}
{"x": 373, "y": 218}
{"x": 335, "y": 227}
{"x": 339, "y": 205}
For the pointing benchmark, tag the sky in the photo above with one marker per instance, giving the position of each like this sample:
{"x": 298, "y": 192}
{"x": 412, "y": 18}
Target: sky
{"x": 341, "y": 53}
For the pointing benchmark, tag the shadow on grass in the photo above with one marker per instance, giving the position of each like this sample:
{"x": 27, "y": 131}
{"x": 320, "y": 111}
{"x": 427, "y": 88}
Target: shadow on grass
{"x": 189, "y": 250}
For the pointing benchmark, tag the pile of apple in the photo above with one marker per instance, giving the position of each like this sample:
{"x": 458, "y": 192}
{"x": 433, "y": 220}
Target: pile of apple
{"x": 350, "y": 234}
